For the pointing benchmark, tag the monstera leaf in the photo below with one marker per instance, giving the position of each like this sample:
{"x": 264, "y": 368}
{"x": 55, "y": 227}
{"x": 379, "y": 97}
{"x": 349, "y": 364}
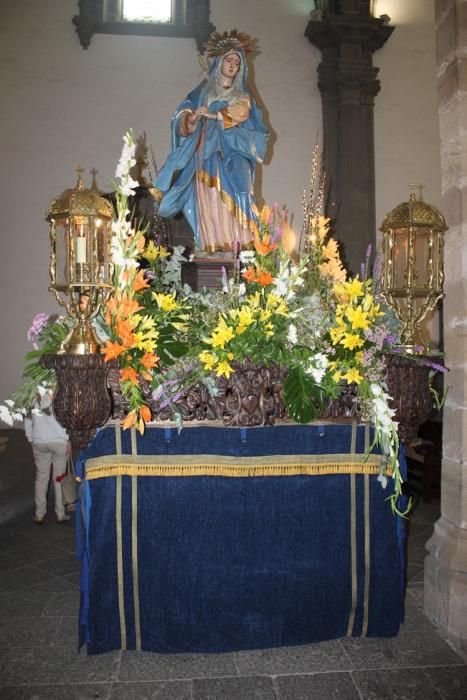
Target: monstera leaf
{"x": 169, "y": 348}
{"x": 302, "y": 396}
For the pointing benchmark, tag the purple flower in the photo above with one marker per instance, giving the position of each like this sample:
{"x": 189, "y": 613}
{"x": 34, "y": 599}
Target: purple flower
{"x": 435, "y": 365}
{"x": 174, "y": 399}
{"x": 38, "y": 324}
{"x": 378, "y": 268}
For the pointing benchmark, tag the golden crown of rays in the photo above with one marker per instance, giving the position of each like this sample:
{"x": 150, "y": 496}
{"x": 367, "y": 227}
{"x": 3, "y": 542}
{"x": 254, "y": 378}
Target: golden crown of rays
{"x": 220, "y": 44}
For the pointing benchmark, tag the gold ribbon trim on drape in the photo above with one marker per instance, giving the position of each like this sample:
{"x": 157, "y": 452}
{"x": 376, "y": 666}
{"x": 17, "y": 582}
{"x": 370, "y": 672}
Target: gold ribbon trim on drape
{"x": 353, "y": 536}
{"x": 218, "y": 465}
{"x": 118, "y": 532}
{"x": 366, "y": 516}
{"x": 366, "y": 542}
{"x": 134, "y": 546}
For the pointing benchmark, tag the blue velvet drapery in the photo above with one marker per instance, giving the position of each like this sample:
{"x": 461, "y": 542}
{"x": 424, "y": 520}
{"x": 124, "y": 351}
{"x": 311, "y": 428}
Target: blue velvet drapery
{"x": 214, "y": 564}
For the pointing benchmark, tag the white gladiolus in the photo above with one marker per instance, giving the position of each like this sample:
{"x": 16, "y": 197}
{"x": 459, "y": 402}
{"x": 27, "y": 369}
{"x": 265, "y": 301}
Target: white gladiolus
{"x": 281, "y": 287}
{"x": 246, "y": 256}
{"x": 128, "y": 185}
{"x": 385, "y": 426}
{"x": 318, "y": 366}
{"x": 292, "y": 334}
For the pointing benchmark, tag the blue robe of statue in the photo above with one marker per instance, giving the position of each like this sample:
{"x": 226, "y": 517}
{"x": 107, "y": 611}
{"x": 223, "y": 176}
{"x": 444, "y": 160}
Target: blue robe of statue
{"x": 209, "y": 174}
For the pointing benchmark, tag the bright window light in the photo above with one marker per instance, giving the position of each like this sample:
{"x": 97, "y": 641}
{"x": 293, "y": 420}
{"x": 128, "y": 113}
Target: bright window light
{"x": 147, "y": 10}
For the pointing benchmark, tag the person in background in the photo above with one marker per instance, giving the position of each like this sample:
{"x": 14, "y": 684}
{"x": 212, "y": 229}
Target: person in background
{"x": 50, "y": 448}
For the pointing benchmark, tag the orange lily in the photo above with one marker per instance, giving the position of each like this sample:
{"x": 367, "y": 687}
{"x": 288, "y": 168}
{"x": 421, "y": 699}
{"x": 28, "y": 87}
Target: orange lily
{"x": 124, "y": 329}
{"x": 140, "y": 244}
{"x": 145, "y": 413}
{"x": 128, "y": 306}
{"x": 263, "y": 247}
{"x": 129, "y": 373}
{"x": 139, "y": 282}
{"x": 264, "y": 278}
{"x": 249, "y": 274}
{"x": 149, "y": 360}
{"x": 112, "y": 305}
{"x": 112, "y": 350}
{"x": 129, "y": 420}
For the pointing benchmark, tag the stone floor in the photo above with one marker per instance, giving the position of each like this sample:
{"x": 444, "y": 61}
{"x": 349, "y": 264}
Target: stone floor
{"x": 39, "y": 597}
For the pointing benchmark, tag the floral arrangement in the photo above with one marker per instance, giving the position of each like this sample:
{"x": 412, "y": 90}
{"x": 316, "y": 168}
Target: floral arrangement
{"x": 301, "y": 313}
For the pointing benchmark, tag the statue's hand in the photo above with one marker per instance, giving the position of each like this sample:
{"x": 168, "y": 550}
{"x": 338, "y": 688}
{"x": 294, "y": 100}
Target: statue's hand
{"x": 217, "y": 105}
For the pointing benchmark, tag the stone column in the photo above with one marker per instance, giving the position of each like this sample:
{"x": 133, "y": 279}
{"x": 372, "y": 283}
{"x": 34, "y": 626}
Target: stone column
{"x": 446, "y": 563}
{"x": 348, "y": 35}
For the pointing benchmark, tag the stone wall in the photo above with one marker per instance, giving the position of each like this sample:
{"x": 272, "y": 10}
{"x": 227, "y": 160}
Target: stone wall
{"x": 446, "y": 563}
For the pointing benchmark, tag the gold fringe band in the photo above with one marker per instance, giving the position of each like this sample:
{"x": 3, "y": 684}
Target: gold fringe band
{"x": 215, "y": 465}
{"x": 118, "y": 530}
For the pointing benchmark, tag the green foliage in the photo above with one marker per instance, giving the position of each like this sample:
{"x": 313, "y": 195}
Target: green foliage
{"x": 302, "y": 396}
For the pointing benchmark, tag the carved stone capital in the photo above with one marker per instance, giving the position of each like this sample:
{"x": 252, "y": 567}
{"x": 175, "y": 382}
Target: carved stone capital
{"x": 359, "y": 35}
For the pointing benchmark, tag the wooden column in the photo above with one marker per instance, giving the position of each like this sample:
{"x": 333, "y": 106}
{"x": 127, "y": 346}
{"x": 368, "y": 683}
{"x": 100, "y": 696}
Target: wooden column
{"x": 348, "y": 35}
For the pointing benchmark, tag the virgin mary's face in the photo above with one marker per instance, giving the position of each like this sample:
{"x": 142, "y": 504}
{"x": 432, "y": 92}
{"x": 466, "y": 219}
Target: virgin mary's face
{"x": 230, "y": 65}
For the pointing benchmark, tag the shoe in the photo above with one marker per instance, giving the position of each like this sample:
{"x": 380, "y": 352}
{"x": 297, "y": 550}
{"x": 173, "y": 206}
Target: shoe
{"x": 65, "y": 519}
{"x": 38, "y": 521}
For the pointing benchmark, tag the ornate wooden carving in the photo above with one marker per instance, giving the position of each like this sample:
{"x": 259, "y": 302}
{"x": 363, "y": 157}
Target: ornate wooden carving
{"x": 251, "y": 396}
{"x": 408, "y": 384}
{"x": 347, "y": 36}
{"x": 82, "y": 401}
{"x": 88, "y": 394}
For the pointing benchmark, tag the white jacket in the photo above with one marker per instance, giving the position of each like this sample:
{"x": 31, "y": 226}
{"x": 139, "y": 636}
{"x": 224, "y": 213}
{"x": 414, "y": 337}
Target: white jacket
{"x": 44, "y": 427}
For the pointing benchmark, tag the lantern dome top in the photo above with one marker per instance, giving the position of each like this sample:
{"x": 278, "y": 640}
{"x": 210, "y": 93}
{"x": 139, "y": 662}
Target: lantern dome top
{"x": 416, "y": 213}
{"x": 80, "y": 202}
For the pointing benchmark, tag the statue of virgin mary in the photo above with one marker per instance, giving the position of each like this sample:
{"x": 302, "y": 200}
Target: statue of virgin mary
{"x": 218, "y": 136}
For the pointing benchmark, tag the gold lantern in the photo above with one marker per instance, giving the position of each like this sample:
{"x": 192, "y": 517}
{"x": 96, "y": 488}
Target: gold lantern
{"x": 413, "y": 243}
{"x": 80, "y": 261}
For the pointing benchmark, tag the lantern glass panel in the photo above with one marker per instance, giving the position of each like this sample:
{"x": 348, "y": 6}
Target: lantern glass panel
{"x": 61, "y": 253}
{"x": 400, "y": 258}
{"x": 102, "y": 251}
{"x": 80, "y": 267}
{"x": 421, "y": 259}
